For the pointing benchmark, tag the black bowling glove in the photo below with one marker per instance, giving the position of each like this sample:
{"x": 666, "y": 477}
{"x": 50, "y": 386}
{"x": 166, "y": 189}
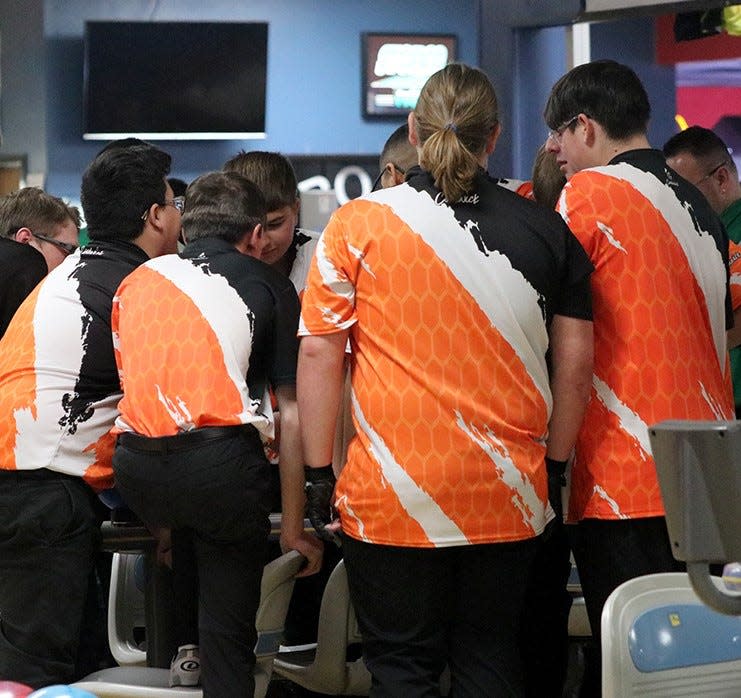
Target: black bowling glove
{"x": 319, "y": 490}
{"x": 556, "y": 480}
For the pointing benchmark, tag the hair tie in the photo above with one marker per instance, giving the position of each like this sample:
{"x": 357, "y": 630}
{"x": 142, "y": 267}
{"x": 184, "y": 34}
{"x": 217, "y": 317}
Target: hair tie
{"x": 450, "y": 126}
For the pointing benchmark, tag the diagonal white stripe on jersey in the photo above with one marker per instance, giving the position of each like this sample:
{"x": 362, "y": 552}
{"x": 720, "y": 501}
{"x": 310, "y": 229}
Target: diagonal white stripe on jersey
{"x": 59, "y": 350}
{"x": 699, "y": 246}
{"x": 524, "y": 497}
{"x": 502, "y": 292}
{"x": 224, "y": 310}
{"x": 630, "y": 422}
{"x": 438, "y": 527}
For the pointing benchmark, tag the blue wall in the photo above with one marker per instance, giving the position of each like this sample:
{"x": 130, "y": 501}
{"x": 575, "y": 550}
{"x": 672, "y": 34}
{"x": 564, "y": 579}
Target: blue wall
{"x": 632, "y": 41}
{"x": 524, "y": 64}
{"x": 541, "y": 61}
{"x": 313, "y": 95}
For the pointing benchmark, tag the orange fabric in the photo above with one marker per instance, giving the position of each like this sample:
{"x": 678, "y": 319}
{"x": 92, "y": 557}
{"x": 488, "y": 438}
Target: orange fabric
{"x": 173, "y": 371}
{"x": 734, "y": 264}
{"x": 17, "y": 378}
{"x": 418, "y": 336}
{"x": 655, "y": 358}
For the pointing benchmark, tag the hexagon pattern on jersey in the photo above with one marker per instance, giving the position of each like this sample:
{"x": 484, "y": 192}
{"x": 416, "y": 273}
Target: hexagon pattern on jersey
{"x": 419, "y": 337}
{"x": 654, "y": 345}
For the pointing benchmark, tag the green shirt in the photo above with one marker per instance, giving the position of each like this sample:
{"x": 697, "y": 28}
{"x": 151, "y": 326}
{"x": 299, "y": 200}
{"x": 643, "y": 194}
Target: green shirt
{"x": 731, "y": 218}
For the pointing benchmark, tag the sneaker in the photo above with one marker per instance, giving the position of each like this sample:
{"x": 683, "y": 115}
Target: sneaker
{"x": 185, "y": 668}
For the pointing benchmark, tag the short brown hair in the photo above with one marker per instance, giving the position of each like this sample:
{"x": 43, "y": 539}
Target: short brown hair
{"x": 222, "y": 205}
{"x": 33, "y": 208}
{"x": 271, "y": 172}
{"x": 548, "y": 180}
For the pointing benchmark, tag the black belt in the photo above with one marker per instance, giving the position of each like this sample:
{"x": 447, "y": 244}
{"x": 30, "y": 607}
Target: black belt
{"x": 182, "y": 441}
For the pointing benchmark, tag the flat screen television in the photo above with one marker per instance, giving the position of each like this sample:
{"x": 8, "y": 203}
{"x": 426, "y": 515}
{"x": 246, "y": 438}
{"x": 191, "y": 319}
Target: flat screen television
{"x": 175, "y": 80}
{"x": 395, "y": 68}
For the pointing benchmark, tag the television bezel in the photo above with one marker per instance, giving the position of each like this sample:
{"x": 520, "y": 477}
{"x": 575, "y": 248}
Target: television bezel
{"x": 398, "y": 37}
{"x": 89, "y": 135}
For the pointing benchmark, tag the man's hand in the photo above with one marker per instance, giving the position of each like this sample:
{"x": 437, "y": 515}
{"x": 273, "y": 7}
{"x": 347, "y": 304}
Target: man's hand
{"x": 320, "y": 484}
{"x": 556, "y": 480}
{"x": 309, "y": 546}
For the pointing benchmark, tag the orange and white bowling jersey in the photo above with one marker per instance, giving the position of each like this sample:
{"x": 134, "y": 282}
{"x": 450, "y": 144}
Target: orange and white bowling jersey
{"x": 734, "y": 266}
{"x": 200, "y": 337}
{"x": 58, "y": 381}
{"x": 660, "y": 294}
{"x": 447, "y": 310}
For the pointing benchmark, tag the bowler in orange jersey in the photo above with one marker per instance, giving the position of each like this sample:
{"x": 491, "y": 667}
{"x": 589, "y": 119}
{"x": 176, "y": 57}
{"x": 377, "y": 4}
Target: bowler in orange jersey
{"x": 451, "y": 289}
{"x": 661, "y": 309}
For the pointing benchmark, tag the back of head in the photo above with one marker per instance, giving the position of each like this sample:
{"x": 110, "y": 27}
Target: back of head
{"x": 548, "y": 180}
{"x": 271, "y": 172}
{"x": 455, "y": 115}
{"x": 606, "y": 91}
{"x": 177, "y": 185}
{"x": 398, "y": 150}
{"x": 118, "y": 187}
{"x": 224, "y": 205}
{"x": 702, "y": 144}
{"x": 33, "y": 208}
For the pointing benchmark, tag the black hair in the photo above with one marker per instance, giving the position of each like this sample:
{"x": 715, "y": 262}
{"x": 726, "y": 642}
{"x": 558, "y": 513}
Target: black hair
{"x": 399, "y": 150}
{"x": 119, "y": 186}
{"x": 702, "y": 144}
{"x": 177, "y": 185}
{"x": 606, "y": 91}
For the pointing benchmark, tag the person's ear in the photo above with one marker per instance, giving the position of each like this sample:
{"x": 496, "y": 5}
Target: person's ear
{"x": 491, "y": 141}
{"x": 150, "y": 212}
{"x": 396, "y": 174}
{"x": 590, "y": 129}
{"x": 723, "y": 176}
{"x": 411, "y": 123}
{"x": 23, "y": 235}
{"x": 254, "y": 242}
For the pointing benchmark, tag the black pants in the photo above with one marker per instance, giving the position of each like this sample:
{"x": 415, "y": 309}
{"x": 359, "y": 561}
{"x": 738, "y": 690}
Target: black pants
{"x": 545, "y": 622}
{"x": 420, "y": 609}
{"x": 218, "y": 490}
{"x": 48, "y": 538}
{"x": 607, "y": 553}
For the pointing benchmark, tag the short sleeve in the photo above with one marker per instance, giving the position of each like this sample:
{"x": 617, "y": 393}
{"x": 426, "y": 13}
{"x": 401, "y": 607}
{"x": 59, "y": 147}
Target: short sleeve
{"x": 575, "y": 296}
{"x": 328, "y": 303}
{"x": 285, "y": 321}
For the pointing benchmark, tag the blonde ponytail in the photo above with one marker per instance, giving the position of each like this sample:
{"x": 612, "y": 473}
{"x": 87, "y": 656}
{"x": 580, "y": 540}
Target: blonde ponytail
{"x": 455, "y": 115}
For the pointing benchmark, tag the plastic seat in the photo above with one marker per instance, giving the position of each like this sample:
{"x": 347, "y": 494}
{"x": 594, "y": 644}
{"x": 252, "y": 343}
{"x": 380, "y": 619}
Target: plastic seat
{"x": 126, "y": 611}
{"x": 660, "y": 640}
{"x": 326, "y": 668}
{"x": 149, "y": 682}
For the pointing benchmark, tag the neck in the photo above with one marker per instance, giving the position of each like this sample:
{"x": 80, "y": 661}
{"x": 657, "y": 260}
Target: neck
{"x": 612, "y": 148}
{"x": 734, "y": 198}
{"x": 149, "y": 241}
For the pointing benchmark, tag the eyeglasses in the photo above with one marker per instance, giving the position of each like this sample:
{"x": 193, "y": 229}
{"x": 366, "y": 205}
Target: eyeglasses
{"x": 711, "y": 173}
{"x": 377, "y": 180}
{"x": 67, "y": 247}
{"x": 556, "y": 134}
{"x": 177, "y": 202}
